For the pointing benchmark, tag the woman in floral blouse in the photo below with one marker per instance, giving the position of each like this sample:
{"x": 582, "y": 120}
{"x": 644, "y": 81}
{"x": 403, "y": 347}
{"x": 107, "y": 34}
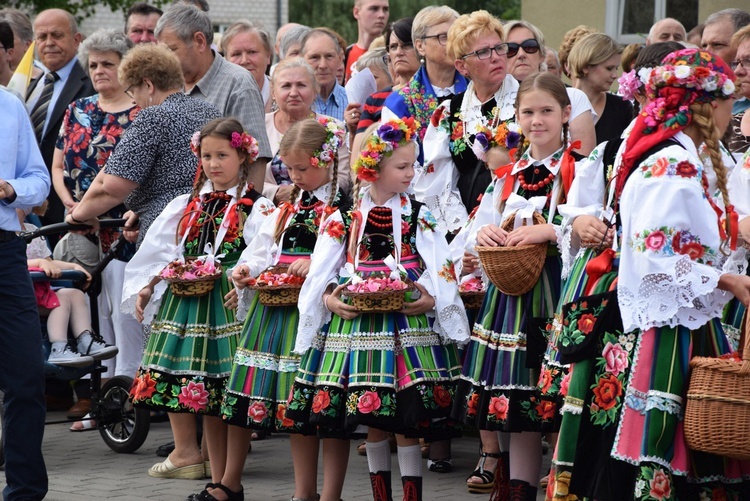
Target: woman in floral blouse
{"x": 91, "y": 130}
{"x": 437, "y": 78}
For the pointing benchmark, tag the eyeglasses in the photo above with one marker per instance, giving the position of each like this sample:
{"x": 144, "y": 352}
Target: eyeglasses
{"x": 442, "y": 38}
{"x": 403, "y": 46}
{"x": 745, "y": 63}
{"x": 486, "y": 53}
{"x": 530, "y": 46}
{"x": 129, "y": 91}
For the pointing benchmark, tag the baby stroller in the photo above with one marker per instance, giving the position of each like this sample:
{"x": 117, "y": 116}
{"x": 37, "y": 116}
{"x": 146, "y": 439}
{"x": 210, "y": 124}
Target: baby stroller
{"x": 122, "y": 427}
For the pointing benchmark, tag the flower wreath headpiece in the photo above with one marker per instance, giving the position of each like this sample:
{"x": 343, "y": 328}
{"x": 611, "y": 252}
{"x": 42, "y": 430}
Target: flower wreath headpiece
{"x": 632, "y": 82}
{"x": 506, "y": 135}
{"x": 244, "y": 142}
{"x": 335, "y": 133}
{"x": 380, "y": 145}
{"x": 684, "y": 77}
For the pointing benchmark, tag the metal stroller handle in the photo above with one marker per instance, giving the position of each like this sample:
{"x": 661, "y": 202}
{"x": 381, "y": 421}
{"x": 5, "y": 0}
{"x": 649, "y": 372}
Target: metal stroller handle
{"x": 53, "y": 229}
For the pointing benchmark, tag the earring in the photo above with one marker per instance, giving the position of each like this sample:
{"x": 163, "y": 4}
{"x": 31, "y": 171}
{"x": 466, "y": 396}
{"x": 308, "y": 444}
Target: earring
{"x": 421, "y": 60}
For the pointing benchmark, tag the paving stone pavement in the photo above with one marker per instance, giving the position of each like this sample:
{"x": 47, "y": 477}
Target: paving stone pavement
{"x": 82, "y": 468}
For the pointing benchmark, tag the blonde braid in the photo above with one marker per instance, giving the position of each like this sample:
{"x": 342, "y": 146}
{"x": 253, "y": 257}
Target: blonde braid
{"x": 354, "y": 227}
{"x": 703, "y": 118}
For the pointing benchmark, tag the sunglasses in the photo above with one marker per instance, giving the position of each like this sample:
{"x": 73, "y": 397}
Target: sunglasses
{"x": 530, "y": 46}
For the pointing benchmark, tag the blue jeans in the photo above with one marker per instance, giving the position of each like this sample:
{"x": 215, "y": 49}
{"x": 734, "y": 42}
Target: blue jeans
{"x": 21, "y": 377}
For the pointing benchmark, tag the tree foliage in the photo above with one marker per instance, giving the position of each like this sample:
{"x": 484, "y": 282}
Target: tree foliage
{"x": 337, "y": 14}
{"x": 81, "y": 9}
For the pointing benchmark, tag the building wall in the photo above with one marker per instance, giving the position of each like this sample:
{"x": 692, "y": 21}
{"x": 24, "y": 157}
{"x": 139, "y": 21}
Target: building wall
{"x": 222, "y": 12}
{"x": 555, "y": 18}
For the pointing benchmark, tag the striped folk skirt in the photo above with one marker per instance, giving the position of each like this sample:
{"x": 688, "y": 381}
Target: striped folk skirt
{"x": 389, "y": 371}
{"x": 263, "y": 370}
{"x": 497, "y": 390}
{"x": 189, "y": 353}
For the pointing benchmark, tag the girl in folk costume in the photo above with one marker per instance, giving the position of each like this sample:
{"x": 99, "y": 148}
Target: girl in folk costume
{"x": 589, "y": 281}
{"x": 395, "y": 371}
{"x": 264, "y": 366}
{"x": 676, "y": 273}
{"x": 497, "y": 388}
{"x": 193, "y": 337}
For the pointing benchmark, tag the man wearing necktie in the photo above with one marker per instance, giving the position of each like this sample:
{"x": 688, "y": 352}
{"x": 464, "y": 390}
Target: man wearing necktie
{"x": 57, "y": 38}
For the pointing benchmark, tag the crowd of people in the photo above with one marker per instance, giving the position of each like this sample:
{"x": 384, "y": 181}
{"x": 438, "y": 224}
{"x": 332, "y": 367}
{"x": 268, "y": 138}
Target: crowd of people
{"x": 266, "y": 205}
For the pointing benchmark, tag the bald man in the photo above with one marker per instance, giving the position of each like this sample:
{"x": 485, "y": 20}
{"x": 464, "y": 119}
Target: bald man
{"x": 666, "y": 30}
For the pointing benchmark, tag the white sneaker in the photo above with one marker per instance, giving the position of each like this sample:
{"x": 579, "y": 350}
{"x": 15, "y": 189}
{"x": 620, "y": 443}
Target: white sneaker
{"x": 68, "y": 358}
{"x": 94, "y": 346}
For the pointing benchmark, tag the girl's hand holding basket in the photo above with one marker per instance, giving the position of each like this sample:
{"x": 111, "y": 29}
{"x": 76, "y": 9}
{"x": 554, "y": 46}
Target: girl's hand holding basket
{"x": 241, "y": 276}
{"x": 593, "y": 232}
{"x": 422, "y": 305}
{"x": 300, "y": 267}
{"x": 334, "y": 304}
{"x": 491, "y": 236}
{"x": 529, "y": 235}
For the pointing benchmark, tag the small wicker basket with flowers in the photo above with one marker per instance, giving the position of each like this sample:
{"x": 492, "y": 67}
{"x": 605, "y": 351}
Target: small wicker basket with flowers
{"x": 192, "y": 276}
{"x": 472, "y": 292}
{"x": 277, "y": 287}
{"x": 378, "y": 293}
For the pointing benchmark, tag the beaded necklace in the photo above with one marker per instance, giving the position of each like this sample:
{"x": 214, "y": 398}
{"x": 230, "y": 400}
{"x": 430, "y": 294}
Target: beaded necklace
{"x": 380, "y": 217}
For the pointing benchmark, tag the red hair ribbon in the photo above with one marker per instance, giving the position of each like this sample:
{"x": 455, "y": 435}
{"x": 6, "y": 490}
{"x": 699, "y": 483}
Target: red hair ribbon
{"x": 568, "y": 166}
{"x": 504, "y": 172}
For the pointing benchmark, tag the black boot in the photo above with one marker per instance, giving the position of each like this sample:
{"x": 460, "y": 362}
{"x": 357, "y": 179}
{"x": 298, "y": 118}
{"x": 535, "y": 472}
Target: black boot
{"x": 412, "y": 488}
{"x": 522, "y": 491}
{"x": 381, "y": 486}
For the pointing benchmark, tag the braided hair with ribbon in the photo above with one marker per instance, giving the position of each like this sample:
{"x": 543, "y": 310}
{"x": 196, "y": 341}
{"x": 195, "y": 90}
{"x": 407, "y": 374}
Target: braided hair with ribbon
{"x": 319, "y": 138}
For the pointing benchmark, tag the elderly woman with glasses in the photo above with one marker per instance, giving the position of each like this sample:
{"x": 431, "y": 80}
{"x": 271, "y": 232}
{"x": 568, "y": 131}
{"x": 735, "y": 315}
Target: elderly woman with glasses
{"x": 437, "y": 78}
{"x": 526, "y": 55}
{"x": 455, "y": 164}
{"x": 737, "y": 137}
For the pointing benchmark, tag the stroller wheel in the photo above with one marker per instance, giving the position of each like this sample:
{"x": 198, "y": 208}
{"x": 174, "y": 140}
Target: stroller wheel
{"x": 122, "y": 427}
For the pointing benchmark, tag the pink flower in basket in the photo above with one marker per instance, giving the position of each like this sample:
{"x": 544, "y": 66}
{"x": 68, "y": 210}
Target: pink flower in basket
{"x": 373, "y": 284}
{"x": 473, "y": 284}
{"x": 188, "y": 275}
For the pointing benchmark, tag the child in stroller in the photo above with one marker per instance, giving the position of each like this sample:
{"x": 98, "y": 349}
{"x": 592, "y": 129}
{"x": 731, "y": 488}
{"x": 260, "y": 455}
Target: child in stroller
{"x": 64, "y": 308}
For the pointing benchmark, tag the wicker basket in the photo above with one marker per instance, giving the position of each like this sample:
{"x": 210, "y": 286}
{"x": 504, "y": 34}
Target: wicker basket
{"x": 514, "y": 270}
{"x": 717, "y": 412}
{"x": 381, "y": 301}
{"x": 197, "y": 286}
{"x": 472, "y": 299}
{"x": 277, "y": 295}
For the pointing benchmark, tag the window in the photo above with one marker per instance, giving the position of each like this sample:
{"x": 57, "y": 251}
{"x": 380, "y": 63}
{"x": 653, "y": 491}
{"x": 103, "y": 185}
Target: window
{"x": 629, "y": 21}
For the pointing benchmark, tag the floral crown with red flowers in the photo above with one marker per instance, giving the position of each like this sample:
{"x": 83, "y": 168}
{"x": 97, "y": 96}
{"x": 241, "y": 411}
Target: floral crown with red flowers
{"x": 244, "y": 141}
{"x": 684, "y": 77}
{"x": 380, "y": 145}
{"x": 335, "y": 133}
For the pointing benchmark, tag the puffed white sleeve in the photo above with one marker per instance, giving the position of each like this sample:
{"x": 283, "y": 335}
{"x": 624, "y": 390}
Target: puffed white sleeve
{"x": 258, "y": 234}
{"x": 585, "y": 197}
{"x": 327, "y": 259}
{"x": 436, "y": 184}
{"x": 487, "y": 213}
{"x": 157, "y": 250}
{"x": 670, "y": 262}
{"x": 439, "y": 279}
